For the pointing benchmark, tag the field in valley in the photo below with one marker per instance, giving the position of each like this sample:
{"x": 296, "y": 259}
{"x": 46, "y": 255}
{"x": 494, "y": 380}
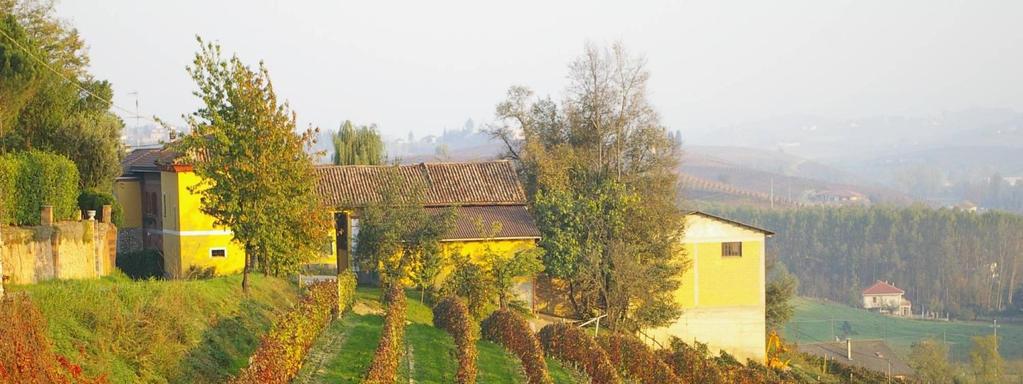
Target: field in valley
{"x": 821, "y": 321}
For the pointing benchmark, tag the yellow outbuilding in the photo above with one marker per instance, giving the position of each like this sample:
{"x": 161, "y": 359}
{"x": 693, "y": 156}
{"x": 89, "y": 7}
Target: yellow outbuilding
{"x": 162, "y": 213}
{"x": 723, "y": 292}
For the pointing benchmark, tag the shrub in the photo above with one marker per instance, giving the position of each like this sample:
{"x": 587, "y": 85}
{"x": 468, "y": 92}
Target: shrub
{"x": 282, "y": 349}
{"x": 346, "y": 283}
{"x": 141, "y": 265}
{"x": 575, "y": 346}
{"x": 693, "y": 364}
{"x": 636, "y": 360}
{"x": 384, "y": 368}
{"x": 95, "y": 200}
{"x": 25, "y": 352}
{"x": 512, "y": 331}
{"x": 452, "y": 315}
{"x": 33, "y": 179}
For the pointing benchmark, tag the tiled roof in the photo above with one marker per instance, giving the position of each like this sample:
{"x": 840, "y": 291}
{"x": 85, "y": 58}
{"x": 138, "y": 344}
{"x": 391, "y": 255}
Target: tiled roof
{"x": 148, "y": 159}
{"x": 874, "y": 355}
{"x": 140, "y": 160}
{"x": 473, "y": 223}
{"x": 882, "y": 288}
{"x": 442, "y": 184}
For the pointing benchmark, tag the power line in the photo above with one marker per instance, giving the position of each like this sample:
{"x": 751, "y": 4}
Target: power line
{"x": 72, "y": 81}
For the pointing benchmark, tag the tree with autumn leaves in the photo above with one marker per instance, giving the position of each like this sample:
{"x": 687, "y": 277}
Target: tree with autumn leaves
{"x": 599, "y": 169}
{"x": 256, "y": 177}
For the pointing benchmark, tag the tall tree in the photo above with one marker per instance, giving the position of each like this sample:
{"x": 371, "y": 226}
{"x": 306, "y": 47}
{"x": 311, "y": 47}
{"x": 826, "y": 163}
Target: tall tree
{"x": 48, "y": 99}
{"x": 358, "y": 145}
{"x": 256, "y": 177}
{"x": 986, "y": 362}
{"x": 781, "y": 287}
{"x": 930, "y": 360}
{"x": 599, "y": 171}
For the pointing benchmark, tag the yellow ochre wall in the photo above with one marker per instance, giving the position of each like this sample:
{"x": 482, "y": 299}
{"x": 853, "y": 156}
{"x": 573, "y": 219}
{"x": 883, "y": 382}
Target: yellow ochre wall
{"x": 723, "y": 298}
{"x": 189, "y": 234}
{"x": 128, "y": 193}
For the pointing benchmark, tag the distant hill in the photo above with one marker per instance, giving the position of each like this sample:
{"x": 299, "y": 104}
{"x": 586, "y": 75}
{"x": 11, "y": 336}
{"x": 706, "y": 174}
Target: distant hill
{"x": 788, "y": 178}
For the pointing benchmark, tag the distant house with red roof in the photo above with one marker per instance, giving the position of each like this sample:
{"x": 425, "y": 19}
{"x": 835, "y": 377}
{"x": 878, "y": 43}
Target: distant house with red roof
{"x": 886, "y": 298}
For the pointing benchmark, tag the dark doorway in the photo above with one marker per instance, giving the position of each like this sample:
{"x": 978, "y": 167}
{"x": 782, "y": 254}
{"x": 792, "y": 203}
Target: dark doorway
{"x": 342, "y": 240}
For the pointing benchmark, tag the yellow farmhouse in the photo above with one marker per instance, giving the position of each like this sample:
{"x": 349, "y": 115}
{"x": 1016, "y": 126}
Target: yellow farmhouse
{"x": 723, "y": 292}
{"x": 161, "y": 213}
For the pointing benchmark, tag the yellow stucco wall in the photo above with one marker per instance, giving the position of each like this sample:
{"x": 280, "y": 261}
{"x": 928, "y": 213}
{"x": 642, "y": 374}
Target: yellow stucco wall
{"x": 477, "y": 249}
{"x": 722, "y": 297}
{"x": 128, "y": 193}
{"x": 189, "y": 235}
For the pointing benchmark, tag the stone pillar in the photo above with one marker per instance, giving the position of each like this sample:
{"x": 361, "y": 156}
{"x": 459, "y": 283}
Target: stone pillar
{"x": 107, "y": 213}
{"x": 46, "y": 216}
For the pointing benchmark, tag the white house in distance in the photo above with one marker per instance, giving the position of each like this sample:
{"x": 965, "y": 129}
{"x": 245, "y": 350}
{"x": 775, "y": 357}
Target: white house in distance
{"x": 886, "y": 298}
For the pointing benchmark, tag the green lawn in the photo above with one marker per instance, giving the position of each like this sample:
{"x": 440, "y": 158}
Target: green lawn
{"x": 160, "y": 331}
{"x": 349, "y": 344}
{"x": 818, "y": 321}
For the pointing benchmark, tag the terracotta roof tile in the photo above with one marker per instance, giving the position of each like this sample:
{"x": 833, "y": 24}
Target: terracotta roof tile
{"x": 882, "y": 288}
{"x": 515, "y": 222}
{"x": 443, "y": 184}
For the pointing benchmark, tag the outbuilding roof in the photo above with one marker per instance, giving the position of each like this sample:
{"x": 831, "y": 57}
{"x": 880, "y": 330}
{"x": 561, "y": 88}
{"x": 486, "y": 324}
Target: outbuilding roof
{"x": 441, "y": 184}
{"x": 883, "y": 288}
{"x": 733, "y": 222}
{"x": 874, "y": 355}
{"x": 477, "y": 223}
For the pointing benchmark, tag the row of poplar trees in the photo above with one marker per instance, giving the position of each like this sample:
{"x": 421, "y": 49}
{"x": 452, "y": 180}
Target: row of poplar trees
{"x": 948, "y": 261}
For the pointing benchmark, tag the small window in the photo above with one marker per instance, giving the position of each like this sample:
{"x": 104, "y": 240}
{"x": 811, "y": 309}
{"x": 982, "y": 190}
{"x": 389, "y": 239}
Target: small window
{"x": 733, "y": 248}
{"x": 218, "y": 252}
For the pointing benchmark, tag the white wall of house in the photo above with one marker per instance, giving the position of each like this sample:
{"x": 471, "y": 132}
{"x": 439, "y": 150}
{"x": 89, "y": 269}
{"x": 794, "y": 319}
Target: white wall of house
{"x": 893, "y": 300}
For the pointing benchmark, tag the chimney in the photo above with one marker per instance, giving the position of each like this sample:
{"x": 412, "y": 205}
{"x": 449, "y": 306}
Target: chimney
{"x": 848, "y": 348}
{"x": 46, "y": 216}
{"x": 173, "y": 135}
{"x": 107, "y": 213}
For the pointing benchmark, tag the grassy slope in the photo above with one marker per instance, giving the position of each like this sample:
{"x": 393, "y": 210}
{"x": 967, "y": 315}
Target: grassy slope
{"x": 433, "y": 350}
{"x": 813, "y": 320}
{"x": 160, "y": 331}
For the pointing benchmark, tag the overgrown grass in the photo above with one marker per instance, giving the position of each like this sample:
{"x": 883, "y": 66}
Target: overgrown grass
{"x": 160, "y": 331}
{"x": 433, "y": 356}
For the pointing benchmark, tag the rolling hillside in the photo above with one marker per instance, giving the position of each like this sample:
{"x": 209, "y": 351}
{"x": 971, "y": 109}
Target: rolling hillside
{"x": 820, "y": 321}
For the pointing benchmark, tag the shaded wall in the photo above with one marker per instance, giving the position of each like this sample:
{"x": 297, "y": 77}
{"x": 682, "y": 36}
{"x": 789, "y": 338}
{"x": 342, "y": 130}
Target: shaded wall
{"x": 65, "y": 250}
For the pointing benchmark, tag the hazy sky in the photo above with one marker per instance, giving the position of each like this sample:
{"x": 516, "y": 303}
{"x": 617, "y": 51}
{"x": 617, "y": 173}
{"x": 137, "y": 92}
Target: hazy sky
{"x": 427, "y": 65}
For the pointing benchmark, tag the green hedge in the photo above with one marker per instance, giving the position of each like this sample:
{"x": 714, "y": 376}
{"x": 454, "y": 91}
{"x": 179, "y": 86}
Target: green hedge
{"x": 141, "y": 265}
{"x": 95, "y": 200}
{"x": 30, "y": 180}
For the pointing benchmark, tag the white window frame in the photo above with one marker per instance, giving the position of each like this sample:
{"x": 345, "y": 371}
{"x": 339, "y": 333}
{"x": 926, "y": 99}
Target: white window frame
{"x": 218, "y": 249}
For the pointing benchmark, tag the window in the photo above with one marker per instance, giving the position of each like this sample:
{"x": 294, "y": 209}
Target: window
{"x": 733, "y": 248}
{"x": 218, "y": 252}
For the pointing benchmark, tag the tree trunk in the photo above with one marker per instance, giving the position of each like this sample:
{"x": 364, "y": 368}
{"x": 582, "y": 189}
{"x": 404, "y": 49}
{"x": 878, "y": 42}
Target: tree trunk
{"x": 247, "y": 269}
